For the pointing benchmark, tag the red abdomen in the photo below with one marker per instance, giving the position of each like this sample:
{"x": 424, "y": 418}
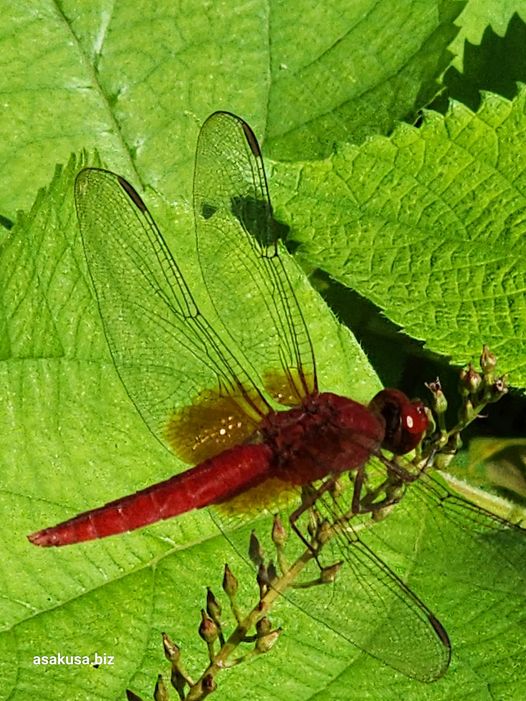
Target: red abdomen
{"x": 213, "y": 481}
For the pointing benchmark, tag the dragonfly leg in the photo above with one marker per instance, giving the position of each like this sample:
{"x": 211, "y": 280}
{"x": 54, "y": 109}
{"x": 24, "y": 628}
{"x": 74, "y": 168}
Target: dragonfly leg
{"x": 318, "y": 530}
{"x": 309, "y": 495}
{"x": 375, "y": 500}
{"x": 390, "y": 492}
{"x": 357, "y": 491}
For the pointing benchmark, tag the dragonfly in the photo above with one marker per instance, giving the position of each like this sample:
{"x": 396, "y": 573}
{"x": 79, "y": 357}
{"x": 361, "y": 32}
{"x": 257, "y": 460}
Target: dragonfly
{"x": 252, "y": 419}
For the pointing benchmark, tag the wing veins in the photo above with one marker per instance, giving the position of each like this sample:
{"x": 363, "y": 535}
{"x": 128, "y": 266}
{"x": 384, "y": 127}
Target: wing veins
{"x": 191, "y": 319}
{"x": 374, "y": 576}
{"x": 243, "y": 172}
{"x": 121, "y": 240}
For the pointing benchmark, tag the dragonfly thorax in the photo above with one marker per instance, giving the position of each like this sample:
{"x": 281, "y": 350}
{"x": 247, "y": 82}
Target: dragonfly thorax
{"x": 326, "y": 434}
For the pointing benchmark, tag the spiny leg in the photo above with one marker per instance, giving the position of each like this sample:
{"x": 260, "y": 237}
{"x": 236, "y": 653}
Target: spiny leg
{"x": 320, "y": 531}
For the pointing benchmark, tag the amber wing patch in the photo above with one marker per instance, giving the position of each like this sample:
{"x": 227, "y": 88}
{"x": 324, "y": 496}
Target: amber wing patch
{"x": 210, "y": 425}
{"x": 288, "y": 388}
{"x": 272, "y": 495}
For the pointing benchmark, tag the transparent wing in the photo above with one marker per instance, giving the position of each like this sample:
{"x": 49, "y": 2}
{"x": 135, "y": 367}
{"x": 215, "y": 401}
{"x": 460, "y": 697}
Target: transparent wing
{"x": 488, "y": 550}
{"x": 236, "y": 231}
{"x": 438, "y": 542}
{"x": 164, "y": 350}
{"x": 371, "y": 606}
{"x": 368, "y": 604}
{"x": 433, "y": 547}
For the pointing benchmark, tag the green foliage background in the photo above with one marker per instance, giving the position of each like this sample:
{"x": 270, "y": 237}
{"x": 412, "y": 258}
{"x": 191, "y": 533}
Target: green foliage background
{"x": 427, "y": 223}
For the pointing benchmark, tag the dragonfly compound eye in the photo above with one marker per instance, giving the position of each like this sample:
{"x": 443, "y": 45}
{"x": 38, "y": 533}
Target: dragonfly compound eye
{"x": 405, "y": 420}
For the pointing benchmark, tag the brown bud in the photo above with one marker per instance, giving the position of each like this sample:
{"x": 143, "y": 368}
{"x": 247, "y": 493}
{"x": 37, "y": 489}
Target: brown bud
{"x": 488, "y": 360}
{"x": 207, "y": 628}
{"x": 439, "y": 401}
{"x": 172, "y": 652}
{"x": 213, "y": 606}
{"x": 178, "y": 681}
{"x": 263, "y": 626}
{"x": 255, "y": 551}
{"x": 279, "y": 534}
{"x": 498, "y": 389}
{"x": 161, "y": 692}
{"x": 467, "y": 412}
{"x": 208, "y": 684}
{"x": 272, "y": 572}
{"x": 470, "y": 380}
{"x": 329, "y": 574}
{"x": 262, "y": 579}
{"x": 230, "y": 585}
{"x": 268, "y": 641}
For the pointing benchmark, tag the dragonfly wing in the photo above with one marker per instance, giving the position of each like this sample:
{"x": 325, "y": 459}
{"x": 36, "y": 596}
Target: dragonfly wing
{"x": 372, "y": 607}
{"x": 236, "y": 231}
{"x": 368, "y": 604}
{"x": 163, "y": 349}
{"x": 489, "y": 551}
{"x": 442, "y": 544}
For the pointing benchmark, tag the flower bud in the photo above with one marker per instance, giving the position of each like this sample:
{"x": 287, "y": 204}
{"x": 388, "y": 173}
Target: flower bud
{"x": 329, "y": 574}
{"x": 470, "y": 380}
{"x": 262, "y": 579}
{"x": 255, "y": 551}
{"x": 208, "y": 685}
{"x": 498, "y": 389}
{"x": 161, "y": 692}
{"x": 213, "y": 606}
{"x": 272, "y": 572}
{"x": 267, "y": 642}
{"x": 172, "y": 652}
{"x": 488, "y": 360}
{"x": 230, "y": 585}
{"x": 439, "y": 401}
{"x": 263, "y": 626}
{"x": 207, "y": 628}
{"x": 279, "y": 534}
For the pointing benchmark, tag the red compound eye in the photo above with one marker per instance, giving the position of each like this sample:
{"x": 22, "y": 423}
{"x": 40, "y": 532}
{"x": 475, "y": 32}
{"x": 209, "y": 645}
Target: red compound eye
{"x": 405, "y": 420}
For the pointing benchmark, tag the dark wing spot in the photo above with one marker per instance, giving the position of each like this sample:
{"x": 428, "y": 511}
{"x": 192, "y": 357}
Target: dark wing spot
{"x": 251, "y": 140}
{"x": 132, "y": 193}
{"x": 440, "y": 631}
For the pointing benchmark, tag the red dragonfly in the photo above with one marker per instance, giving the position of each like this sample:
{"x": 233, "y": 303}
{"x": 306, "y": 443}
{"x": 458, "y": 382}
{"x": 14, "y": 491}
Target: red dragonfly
{"x": 252, "y": 420}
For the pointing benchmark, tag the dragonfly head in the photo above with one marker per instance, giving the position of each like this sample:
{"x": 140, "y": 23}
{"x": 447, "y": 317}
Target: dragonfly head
{"x": 405, "y": 420}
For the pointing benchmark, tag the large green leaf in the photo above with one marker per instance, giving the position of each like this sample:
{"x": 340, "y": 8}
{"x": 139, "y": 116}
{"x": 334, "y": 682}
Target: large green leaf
{"x": 428, "y": 225}
{"x": 137, "y": 83}
{"x": 75, "y": 440}
{"x": 490, "y": 57}
{"x": 137, "y": 80}
{"x": 481, "y": 17}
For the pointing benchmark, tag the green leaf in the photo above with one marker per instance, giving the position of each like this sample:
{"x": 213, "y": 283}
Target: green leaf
{"x": 370, "y": 94}
{"x": 495, "y": 63}
{"x": 497, "y": 463}
{"x": 136, "y": 83}
{"x": 429, "y": 226}
{"x": 74, "y": 440}
{"x": 481, "y": 17}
